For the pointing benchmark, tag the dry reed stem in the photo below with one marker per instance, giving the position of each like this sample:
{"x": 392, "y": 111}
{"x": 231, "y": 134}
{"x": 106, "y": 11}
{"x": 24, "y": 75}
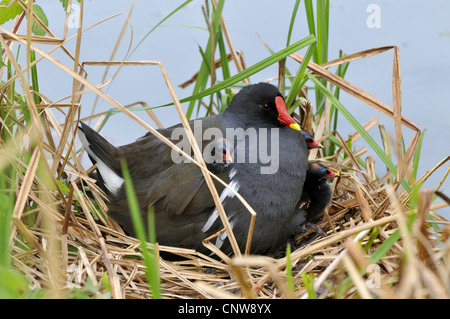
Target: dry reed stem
{"x": 354, "y": 90}
{"x": 397, "y": 103}
{"x": 126, "y": 24}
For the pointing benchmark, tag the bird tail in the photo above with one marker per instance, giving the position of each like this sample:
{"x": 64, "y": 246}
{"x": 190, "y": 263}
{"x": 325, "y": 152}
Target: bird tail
{"x": 104, "y": 154}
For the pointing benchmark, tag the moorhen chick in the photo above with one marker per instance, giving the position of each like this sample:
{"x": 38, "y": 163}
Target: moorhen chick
{"x": 310, "y": 141}
{"x": 316, "y": 194}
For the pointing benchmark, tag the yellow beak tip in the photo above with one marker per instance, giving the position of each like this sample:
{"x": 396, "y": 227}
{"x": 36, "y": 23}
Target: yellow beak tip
{"x": 295, "y": 126}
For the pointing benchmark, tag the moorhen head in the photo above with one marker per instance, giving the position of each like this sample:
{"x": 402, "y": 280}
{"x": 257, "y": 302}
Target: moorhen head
{"x": 185, "y": 213}
{"x": 310, "y": 141}
{"x": 263, "y": 105}
{"x": 218, "y": 155}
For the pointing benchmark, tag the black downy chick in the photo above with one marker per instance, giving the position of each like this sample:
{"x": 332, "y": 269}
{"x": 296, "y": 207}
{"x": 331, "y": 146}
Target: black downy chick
{"x": 310, "y": 141}
{"x": 316, "y": 195}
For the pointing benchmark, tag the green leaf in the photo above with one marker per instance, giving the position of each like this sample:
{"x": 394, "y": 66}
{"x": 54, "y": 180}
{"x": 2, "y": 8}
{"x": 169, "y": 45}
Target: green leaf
{"x": 65, "y": 3}
{"x": 10, "y": 13}
{"x": 63, "y": 187}
{"x": 36, "y": 28}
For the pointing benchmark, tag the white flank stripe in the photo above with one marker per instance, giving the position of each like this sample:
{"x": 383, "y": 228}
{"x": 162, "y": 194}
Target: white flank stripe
{"x": 234, "y": 185}
{"x": 233, "y": 172}
{"x": 221, "y": 238}
{"x": 215, "y": 214}
{"x": 212, "y": 218}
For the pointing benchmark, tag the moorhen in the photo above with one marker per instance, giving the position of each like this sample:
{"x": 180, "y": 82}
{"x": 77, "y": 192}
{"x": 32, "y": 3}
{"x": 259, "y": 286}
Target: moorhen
{"x": 270, "y": 161}
{"x": 310, "y": 141}
{"x": 316, "y": 194}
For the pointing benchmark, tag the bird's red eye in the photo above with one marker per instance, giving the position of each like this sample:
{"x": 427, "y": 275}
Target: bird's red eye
{"x": 265, "y": 106}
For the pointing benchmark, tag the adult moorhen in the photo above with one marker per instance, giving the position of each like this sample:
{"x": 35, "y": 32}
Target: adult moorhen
{"x": 269, "y": 166}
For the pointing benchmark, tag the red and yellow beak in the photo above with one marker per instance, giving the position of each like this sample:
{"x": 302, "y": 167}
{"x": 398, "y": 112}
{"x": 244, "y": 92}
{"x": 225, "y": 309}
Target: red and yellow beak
{"x": 315, "y": 144}
{"x": 331, "y": 174}
{"x": 283, "y": 115}
{"x": 227, "y": 157}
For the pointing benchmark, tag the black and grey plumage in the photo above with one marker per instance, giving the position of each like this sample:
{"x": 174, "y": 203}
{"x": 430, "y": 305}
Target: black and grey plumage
{"x": 316, "y": 194}
{"x": 185, "y": 212}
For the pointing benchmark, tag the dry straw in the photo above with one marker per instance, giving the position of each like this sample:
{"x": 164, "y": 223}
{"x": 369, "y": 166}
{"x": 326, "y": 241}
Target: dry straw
{"x": 70, "y": 242}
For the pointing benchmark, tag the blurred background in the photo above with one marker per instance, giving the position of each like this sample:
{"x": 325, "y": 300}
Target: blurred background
{"x": 420, "y": 29}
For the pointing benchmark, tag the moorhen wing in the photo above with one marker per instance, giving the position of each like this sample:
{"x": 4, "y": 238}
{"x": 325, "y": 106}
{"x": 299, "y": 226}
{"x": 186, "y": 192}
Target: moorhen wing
{"x": 269, "y": 166}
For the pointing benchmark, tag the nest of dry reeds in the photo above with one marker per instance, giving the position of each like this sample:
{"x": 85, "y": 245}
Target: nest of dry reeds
{"x": 370, "y": 242}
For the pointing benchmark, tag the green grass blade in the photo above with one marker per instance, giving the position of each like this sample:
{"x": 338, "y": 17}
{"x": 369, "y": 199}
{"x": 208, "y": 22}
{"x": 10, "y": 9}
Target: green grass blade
{"x": 310, "y": 17}
{"x": 7, "y": 197}
{"x": 289, "y": 279}
{"x": 308, "y": 281}
{"x": 384, "y": 247}
{"x": 416, "y": 157}
{"x": 373, "y": 235}
{"x": 288, "y": 42}
{"x": 148, "y": 255}
{"x": 34, "y": 78}
{"x": 224, "y": 58}
{"x": 204, "y": 71}
{"x": 322, "y": 30}
{"x": 391, "y": 240}
{"x": 359, "y": 128}
{"x": 226, "y": 99}
{"x": 311, "y": 24}
{"x": 297, "y": 85}
{"x": 291, "y": 24}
